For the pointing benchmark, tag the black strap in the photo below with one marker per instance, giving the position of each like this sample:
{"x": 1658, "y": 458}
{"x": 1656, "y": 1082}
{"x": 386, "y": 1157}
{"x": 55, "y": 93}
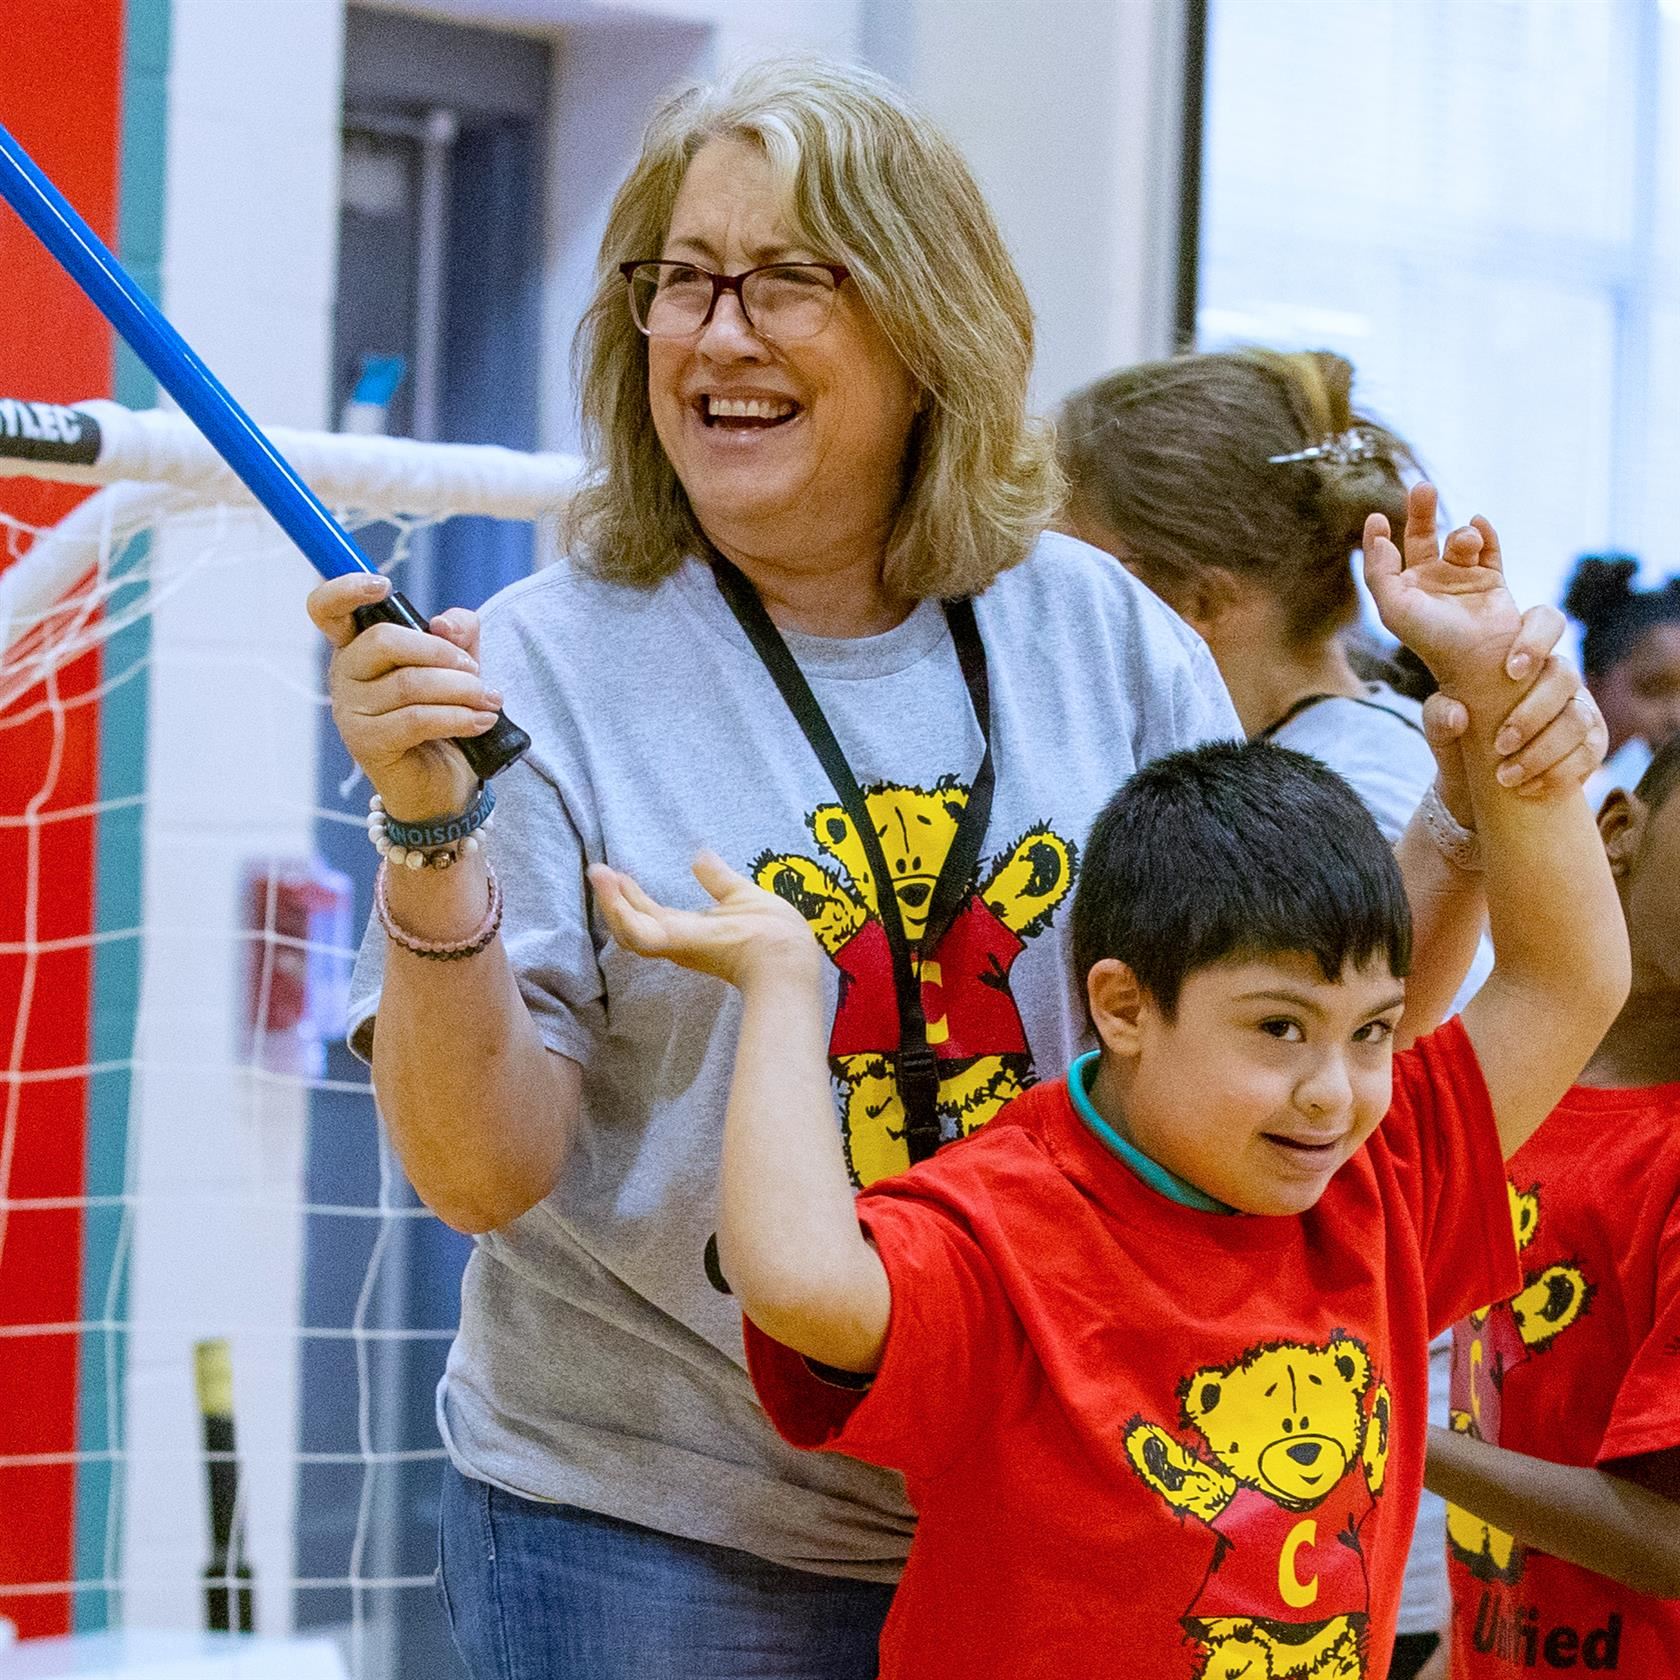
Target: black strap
{"x": 1308, "y": 701}
{"x": 915, "y": 1065}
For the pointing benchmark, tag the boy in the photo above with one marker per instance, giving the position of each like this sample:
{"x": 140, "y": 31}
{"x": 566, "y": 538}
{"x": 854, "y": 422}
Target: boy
{"x": 1573, "y": 1555}
{"x": 1151, "y": 1347}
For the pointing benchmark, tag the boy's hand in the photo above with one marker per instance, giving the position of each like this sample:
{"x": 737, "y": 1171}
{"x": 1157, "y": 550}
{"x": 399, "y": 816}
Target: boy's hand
{"x": 1452, "y": 608}
{"x": 748, "y": 935}
{"x": 1448, "y": 604}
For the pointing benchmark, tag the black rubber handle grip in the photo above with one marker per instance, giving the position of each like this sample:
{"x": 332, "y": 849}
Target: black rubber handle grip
{"x": 488, "y": 753}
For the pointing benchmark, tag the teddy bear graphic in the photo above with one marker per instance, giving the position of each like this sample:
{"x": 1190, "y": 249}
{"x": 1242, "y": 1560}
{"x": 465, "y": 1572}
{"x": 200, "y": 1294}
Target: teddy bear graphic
{"x": 1296, "y": 1440}
{"x": 974, "y": 1027}
{"x": 1487, "y": 1346}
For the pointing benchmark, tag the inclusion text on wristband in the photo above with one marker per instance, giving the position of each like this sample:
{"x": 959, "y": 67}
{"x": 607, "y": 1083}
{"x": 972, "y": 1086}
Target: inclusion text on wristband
{"x": 442, "y": 831}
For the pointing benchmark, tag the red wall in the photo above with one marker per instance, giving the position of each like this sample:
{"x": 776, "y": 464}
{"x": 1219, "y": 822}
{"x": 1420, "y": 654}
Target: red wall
{"x": 60, "y": 95}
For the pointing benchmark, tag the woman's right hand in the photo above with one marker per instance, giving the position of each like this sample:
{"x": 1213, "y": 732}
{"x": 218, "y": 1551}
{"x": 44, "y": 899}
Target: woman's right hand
{"x": 400, "y": 696}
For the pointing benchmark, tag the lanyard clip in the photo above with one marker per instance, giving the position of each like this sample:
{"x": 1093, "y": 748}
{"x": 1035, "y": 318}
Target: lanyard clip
{"x": 917, "y": 1069}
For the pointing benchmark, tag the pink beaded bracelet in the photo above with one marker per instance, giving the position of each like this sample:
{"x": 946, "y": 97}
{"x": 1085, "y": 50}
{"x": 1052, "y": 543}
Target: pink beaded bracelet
{"x": 440, "y": 950}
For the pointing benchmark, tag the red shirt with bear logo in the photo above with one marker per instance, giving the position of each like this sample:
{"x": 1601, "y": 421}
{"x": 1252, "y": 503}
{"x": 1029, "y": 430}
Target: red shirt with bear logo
{"x": 1265, "y": 1541}
{"x": 1598, "y": 1379}
{"x": 1143, "y": 1439}
{"x": 1481, "y": 1361}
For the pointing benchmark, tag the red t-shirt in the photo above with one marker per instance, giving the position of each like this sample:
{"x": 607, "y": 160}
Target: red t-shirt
{"x": 1594, "y": 1376}
{"x": 1137, "y": 1434}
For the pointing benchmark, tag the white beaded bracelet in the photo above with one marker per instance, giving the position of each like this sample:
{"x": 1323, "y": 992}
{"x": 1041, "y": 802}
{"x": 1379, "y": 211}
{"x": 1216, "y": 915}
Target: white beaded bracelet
{"x": 1460, "y": 846}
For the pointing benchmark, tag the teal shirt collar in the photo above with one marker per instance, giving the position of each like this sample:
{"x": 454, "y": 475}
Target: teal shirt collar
{"x": 1157, "y": 1177}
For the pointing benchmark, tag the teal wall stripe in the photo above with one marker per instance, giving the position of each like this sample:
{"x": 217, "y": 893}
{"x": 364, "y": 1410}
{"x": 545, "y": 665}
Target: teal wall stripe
{"x": 117, "y": 880}
{"x": 145, "y": 138}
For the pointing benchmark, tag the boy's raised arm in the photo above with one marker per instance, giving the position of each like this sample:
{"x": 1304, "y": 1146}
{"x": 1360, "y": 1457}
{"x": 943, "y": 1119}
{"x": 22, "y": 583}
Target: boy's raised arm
{"x": 1553, "y": 740}
{"x": 1560, "y": 947}
{"x": 788, "y": 1236}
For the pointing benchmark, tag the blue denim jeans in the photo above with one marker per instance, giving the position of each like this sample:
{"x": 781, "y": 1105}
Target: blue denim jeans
{"x": 549, "y": 1592}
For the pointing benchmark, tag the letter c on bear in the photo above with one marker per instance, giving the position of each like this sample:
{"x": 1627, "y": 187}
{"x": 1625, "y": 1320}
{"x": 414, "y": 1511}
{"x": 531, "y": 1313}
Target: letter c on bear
{"x": 933, "y": 1002}
{"x": 1295, "y": 1592}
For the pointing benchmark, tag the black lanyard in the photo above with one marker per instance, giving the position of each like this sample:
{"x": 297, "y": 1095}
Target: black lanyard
{"x": 915, "y": 1066}
{"x": 1307, "y": 702}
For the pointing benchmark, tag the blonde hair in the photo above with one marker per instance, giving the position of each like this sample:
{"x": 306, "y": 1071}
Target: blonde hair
{"x": 1172, "y": 458}
{"x": 874, "y": 185}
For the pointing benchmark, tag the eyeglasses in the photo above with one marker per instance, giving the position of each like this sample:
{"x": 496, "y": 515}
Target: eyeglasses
{"x": 781, "y": 301}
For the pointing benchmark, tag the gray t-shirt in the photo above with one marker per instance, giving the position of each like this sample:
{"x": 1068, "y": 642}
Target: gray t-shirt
{"x": 594, "y": 1363}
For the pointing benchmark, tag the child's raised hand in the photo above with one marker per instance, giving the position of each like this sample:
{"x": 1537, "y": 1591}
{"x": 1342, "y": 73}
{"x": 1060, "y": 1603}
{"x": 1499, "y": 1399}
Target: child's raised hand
{"x": 1448, "y": 604}
{"x": 746, "y": 935}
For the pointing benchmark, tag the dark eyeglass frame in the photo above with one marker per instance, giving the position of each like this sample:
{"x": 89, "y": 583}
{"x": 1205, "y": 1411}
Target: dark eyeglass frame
{"x": 721, "y": 283}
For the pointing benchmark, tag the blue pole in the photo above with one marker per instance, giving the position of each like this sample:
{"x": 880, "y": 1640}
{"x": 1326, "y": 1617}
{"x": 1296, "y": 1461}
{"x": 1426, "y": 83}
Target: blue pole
{"x": 210, "y": 406}
{"x": 203, "y": 398}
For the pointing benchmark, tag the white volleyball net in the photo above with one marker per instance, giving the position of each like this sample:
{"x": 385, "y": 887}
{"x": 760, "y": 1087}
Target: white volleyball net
{"x": 187, "y": 1154}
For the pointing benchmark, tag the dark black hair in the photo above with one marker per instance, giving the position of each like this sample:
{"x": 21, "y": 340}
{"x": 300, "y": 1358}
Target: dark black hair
{"x": 1662, "y": 776}
{"x": 1614, "y": 615}
{"x": 1236, "y": 848}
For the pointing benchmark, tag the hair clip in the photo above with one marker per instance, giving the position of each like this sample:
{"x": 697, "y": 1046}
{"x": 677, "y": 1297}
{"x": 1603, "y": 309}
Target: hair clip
{"x": 1358, "y": 443}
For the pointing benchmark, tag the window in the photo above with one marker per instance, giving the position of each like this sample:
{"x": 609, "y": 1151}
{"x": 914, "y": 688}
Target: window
{"x": 1478, "y": 203}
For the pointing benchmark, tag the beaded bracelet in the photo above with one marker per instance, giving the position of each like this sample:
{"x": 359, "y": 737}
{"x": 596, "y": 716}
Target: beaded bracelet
{"x": 438, "y": 844}
{"x": 1460, "y": 846}
{"x": 435, "y": 949}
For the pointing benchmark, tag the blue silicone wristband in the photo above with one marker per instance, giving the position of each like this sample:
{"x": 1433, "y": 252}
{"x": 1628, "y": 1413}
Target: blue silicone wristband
{"x": 442, "y": 831}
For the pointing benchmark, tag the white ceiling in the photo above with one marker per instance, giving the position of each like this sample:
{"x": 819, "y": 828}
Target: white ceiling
{"x": 538, "y": 17}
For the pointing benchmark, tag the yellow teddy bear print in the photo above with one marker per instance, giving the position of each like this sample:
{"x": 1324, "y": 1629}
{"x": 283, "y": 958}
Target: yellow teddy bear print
{"x": 974, "y": 1027}
{"x": 1295, "y": 1447}
{"x": 1487, "y": 1347}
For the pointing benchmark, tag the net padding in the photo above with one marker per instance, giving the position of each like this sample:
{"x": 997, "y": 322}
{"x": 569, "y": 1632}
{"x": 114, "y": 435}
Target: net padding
{"x": 156, "y": 465}
{"x": 379, "y": 475}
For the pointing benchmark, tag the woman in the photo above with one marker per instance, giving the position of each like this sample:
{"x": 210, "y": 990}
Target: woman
{"x": 804, "y": 380}
{"x": 1630, "y": 648}
{"x": 1237, "y": 485}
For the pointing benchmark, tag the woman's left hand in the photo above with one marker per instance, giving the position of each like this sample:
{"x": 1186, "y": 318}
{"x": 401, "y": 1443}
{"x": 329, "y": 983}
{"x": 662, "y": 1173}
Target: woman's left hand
{"x": 1551, "y": 741}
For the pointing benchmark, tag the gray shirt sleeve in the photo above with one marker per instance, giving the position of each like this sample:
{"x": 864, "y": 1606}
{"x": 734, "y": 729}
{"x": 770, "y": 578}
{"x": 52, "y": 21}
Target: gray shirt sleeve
{"x": 540, "y": 859}
{"x": 1198, "y": 705}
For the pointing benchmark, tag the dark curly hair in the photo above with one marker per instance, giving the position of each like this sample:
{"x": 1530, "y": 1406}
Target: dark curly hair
{"x": 1662, "y": 776}
{"x": 1614, "y": 615}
